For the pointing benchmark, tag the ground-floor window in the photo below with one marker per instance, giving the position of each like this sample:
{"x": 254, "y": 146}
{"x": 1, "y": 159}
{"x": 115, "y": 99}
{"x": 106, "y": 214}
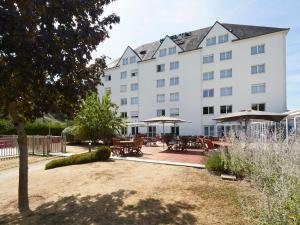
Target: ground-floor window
{"x": 175, "y": 130}
{"x": 209, "y": 130}
{"x": 151, "y": 131}
{"x": 124, "y": 131}
{"x": 134, "y": 130}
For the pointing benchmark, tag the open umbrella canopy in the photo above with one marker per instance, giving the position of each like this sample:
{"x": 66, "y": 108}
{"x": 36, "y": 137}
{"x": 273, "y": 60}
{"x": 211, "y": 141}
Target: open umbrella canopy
{"x": 251, "y": 115}
{"x": 164, "y": 119}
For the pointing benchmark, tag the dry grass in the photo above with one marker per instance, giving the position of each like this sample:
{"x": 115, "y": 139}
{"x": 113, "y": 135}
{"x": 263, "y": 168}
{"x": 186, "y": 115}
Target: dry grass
{"x": 14, "y": 162}
{"x": 124, "y": 192}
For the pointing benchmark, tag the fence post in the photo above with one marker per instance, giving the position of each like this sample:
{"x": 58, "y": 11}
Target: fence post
{"x": 48, "y": 139}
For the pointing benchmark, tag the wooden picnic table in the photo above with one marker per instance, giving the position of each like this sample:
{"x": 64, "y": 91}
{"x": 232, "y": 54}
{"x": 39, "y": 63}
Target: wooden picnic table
{"x": 127, "y": 146}
{"x": 221, "y": 144}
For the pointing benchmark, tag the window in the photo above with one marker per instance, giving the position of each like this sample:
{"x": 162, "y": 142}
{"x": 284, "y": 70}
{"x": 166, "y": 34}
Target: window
{"x": 208, "y": 75}
{"x": 208, "y": 59}
{"x": 124, "y": 131}
{"x": 123, "y": 75}
{"x": 257, "y": 49}
{"x": 125, "y": 61}
{"x": 172, "y": 51}
{"x": 134, "y": 114}
{"x": 151, "y": 131}
{"x": 134, "y": 73}
{"x": 175, "y": 130}
{"x": 258, "y": 69}
{"x": 174, "y": 81}
{"x": 258, "y": 106}
{"x": 108, "y": 78}
{"x": 134, "y": 87}
{"x": 174, "y": 112}
{"x": 123, "y": 88}
{"x": 226, "y": 73}
{"x": 226, "y": 91}
{"x": 160, "y": 112}
{"x": 160, "y": 68}
{"x": 225, "y": 109}
{"x": 108, "y": 90}
{"x": 134, "y": 100}
{"x": 160, "y": 98}
{"x": 208, "y": 93}
{"x": 209, "y": 130}
{"x": 174, "y": 97}
{"x": 223, "y": 38}
{"x": 162, "y": 52}
{"x": 258, "y": 88}
{"x": 123, "y": 101}
{"x": 211, "y": 41}
{"x": 123, "y": 114}
{"x": 134, "y": 130}
{"x": 160, "y": 83}
{"x": 225, "y": 55}
{"x": 174, "y": 65}
{"x": 208, "y": 110}
{"x": 132, "y": 59}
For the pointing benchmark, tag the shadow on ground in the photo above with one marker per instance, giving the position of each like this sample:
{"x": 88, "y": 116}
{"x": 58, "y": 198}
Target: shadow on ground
{"x": 106, "y": 209}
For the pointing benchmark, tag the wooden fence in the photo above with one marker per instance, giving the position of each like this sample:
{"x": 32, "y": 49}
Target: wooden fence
{"x": 37, "y": 145}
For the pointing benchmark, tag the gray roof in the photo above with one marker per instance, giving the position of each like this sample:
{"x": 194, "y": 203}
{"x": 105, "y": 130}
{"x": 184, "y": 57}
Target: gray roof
{"x": 191, "y": 40}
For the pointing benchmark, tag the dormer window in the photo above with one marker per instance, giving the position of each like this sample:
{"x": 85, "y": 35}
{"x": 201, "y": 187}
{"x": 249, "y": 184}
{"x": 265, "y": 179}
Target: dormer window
{"x": 132, "y": 59}
{"x": 162, "y": 52}
{"x": 172, "y": 51}
{"x": 211, "y": 41}
{"x": 223, "y": 38}
{"x": 125, "y": 61}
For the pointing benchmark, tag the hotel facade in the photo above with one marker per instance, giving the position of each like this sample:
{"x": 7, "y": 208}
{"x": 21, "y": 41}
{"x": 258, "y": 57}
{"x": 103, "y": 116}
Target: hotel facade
{"x": 200, "y": 75}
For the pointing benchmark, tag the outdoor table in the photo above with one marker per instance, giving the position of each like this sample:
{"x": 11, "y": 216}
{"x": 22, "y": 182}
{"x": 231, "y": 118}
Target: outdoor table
{"x": 126, "y": 145}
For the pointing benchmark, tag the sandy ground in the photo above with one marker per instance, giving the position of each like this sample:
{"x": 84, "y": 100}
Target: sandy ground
{"x": 14, "y": 162}
{"x": 123, "y": 192}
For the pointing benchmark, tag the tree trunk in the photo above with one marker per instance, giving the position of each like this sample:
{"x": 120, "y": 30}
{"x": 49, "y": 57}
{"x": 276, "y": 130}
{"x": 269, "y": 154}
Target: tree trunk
{"x": 23, "y": 202}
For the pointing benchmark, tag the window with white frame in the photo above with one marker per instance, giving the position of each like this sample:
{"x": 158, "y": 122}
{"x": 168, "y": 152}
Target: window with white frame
{"x": 174, "y": 112}
{"x": 174, "y": 81}
{"x": 226, "y": 55}
{"x": 258, "y": 106}
{"x": 123, "y": 114}
{"x": 134, "y": 87}
{"x": 123, "y": 101}
{"x": 174, "y": 65}
{"x": 226, "y": 91}
{"x": 125, "y": 61}
{"x": 134, "y": 100}
{"x": 160, "y": 68}
{"x": 211, "y": 41}
{"x": 208, "y": 110}
{"x": 162, "y": 52}
{"x": 225, "y": 109}
{"x": 208, "y": 75}
{"x": 172, "y": 50}
{"x": 261, "y": 68}
{"x": 160, "y": 98}
{"x": 258, "y": 49}
{"x": 132, "y": 59}
{"x": 209, "y": 130}
{"x": 174, "y": 97}
{"x": 226, "y": 73}
{"x": 208, "y": 93}
{"x": 108, "y": 78}
{"x": 223, "y": 38}
{"x": 134, "y": 114}
{"x": 160, "y": 112}
{"x": 108, "y": 90}
{"x": 258, "y": 88}
{"x": 123, "y": 75}
{"x": 134, "y": 73}
{"x": 123, "y": 88}
{"x": 208, "y": 59}
{"x": 124, "y": 131}
{"x": 160, "y": 83}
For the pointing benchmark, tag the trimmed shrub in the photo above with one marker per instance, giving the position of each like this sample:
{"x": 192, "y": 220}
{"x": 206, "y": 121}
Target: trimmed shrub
{"x": 103, "y": 153}
{"x": 214, "y": 162}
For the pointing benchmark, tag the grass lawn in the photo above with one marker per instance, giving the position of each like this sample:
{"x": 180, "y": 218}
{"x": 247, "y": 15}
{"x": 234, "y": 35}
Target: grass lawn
{"x": 123, "y": 192}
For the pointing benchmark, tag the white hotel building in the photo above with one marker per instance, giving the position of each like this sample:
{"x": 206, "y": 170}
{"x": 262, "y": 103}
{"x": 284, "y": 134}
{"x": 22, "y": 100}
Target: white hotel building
{"x": 200, "y": 75}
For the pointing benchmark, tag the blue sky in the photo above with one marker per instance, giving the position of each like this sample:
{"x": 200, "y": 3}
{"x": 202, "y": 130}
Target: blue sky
{"x": 144, "y": 21}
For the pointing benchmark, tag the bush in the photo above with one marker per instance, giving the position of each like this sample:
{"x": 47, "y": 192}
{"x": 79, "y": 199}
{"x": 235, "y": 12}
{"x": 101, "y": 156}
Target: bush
{"x": 214, "y": 162}
{"x": 6, "y": 127}
{"x": 102, "y": 154}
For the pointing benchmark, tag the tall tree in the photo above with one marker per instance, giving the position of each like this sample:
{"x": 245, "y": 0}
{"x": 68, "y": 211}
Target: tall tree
{"x": 45, "y": 47}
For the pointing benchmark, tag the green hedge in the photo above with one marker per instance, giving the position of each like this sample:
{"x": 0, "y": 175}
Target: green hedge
{"x": 32, "y": 128}
{"x": 101, "y": 154}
